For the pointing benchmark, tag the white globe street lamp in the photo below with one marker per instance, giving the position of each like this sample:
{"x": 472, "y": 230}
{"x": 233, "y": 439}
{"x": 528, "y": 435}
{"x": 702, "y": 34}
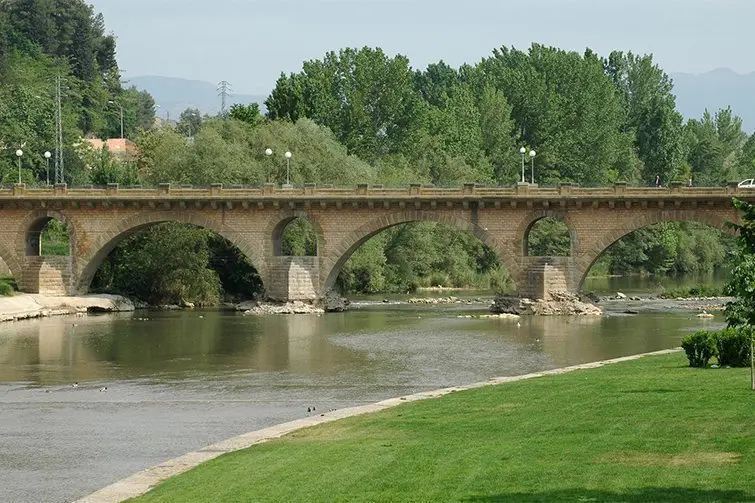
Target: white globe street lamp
{"x": 522, "y": 151}
{"x": 47, "y": 158}
{"x": 268, "y": 152}
{"x": 532, "y": 157}
{"x": 19, "y": 153}
{"x": 287, "y": 155}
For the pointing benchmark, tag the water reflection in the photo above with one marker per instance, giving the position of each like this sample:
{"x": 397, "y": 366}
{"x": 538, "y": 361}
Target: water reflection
{"x": 655, "y": 285}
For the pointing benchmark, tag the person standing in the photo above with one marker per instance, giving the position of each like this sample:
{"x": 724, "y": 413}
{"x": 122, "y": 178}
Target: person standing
{"x": 657, "y": 180}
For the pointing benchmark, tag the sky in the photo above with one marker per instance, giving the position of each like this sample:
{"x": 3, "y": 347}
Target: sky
{"x": 250, "y": 42}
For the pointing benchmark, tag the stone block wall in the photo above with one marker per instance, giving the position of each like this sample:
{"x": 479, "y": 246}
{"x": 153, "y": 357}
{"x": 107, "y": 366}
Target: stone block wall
{"x": 292, "y": 278}
{"x": 48, "y": 275}
{"x": 545, "y": 275}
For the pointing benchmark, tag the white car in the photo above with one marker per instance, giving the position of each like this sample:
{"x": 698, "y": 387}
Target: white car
{"x": 747, "y": 184}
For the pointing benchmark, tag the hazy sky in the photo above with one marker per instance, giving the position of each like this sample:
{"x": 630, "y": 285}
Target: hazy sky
{"x": 249, "y": 42}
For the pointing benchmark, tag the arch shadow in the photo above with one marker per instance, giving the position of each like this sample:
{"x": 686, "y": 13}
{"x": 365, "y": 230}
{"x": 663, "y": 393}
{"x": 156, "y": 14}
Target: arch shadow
{"x": 106, "y": 243}
{"x": 10, "y": 260}
{"x": 588, "y": 259}
{"x": 524, "y": 229}
{"x": 333, "y": 264}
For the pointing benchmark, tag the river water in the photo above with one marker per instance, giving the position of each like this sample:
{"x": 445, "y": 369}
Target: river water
{"x": 177, "y": 381}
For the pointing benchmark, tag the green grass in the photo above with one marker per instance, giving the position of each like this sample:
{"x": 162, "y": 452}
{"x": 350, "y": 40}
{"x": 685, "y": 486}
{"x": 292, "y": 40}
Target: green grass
{"x": 647, "y": 430}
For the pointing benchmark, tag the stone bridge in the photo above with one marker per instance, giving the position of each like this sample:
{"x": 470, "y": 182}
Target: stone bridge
{"x": 253, "y": 219}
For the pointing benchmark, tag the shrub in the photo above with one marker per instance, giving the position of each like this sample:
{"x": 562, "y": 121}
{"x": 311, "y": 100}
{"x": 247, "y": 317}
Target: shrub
{"x": 733, "y": 346}
{"x": 439, "y": 278}
{"x": 5, "y": 289}
{"x": 500, "y": 281}
{"x": 700, "y": 347}
{"x": 695, "y": 291}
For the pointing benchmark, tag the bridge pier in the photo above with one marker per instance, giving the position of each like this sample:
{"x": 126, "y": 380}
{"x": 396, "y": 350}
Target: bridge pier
{"x": 543, "y": 275}
{"x": 293, "y": 278}
{"x": 47, "y": 275}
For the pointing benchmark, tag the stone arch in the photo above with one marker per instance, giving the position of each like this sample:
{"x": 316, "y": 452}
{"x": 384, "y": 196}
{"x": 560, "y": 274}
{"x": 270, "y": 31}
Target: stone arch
{"x": 277, "y": 225}
{"x": 332, "y": 264}
{"x": 587, "y": 259}
{"x": 107, "y": 241}
{"x": 31, "y": 227}
{"x": 529, "y": 222}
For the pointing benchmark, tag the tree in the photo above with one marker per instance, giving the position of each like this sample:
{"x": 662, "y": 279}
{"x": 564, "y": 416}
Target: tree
{"x": 189, "y": 122}
{"x": 365, "y": 97}
{"x": 246, "y": 113}
{"x": 650, "y": 113}
{"x": 567, "y": 109}
{"x": 718, "y": 148}
{"x": 741, "y": 311}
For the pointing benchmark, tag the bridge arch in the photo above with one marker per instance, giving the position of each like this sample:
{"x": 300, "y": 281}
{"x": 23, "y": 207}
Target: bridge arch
{"x": 28, "y": 244}
{"x": 590, "y": 256}
{"x": 523, "y": 232}
{"x": 90, "y": 261}
{"x": 277, "y": 226}
{"x": 341, "y": 252}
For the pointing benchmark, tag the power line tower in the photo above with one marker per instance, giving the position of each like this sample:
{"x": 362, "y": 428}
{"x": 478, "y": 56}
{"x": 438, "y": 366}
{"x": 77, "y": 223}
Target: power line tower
{"x": 224, "y": 91}
{"x": 59, "y": 168}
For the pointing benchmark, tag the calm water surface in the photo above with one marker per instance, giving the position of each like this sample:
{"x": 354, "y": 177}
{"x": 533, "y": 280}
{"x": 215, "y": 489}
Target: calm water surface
{"x": 178, "y": 381}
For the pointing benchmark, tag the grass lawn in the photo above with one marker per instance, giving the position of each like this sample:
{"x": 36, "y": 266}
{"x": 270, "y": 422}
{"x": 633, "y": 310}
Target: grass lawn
{"x": 649, "y": 430}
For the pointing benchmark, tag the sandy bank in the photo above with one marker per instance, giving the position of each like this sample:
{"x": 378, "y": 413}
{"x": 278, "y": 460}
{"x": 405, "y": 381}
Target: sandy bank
{"x": 24, "y": 306}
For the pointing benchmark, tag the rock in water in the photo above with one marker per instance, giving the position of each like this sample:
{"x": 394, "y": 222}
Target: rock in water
{"x": 560, "y": 303}
{"x": 334, "y": 303}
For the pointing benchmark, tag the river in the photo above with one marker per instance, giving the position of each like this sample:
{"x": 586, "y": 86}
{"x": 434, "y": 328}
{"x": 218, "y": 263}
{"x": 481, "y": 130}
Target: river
{"x": 177, "y": 381}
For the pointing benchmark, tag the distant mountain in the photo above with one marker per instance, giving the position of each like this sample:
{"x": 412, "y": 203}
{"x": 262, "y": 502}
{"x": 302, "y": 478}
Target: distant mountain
{"x": 174, "y": 95}
{"x": 715, "y": 90}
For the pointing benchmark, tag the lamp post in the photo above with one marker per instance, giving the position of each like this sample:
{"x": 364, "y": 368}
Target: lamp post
{"x": 47, "y": 158}
{"x": 532, "y": 173}
{"x": 121, "y": 107}
{"x": 287, "y": 155}
{"x": 19, "y": 153}
{"x": 522, "y": 151}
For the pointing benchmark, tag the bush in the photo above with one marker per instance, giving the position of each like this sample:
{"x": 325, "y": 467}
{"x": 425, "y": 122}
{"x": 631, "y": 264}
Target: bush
{"x": 700, "y": 347}
{"x": 733, "y": 346}
{"x": 500, "y": 282}
{"x": 695, "y": 291}
{"x": 5, "y": 289}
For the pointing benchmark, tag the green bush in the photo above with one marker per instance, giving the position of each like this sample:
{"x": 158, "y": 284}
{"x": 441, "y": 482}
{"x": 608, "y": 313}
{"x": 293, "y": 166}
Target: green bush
{"x": 5, "y": 289}
{"x": 695, "y": 291}
{"x": 700, "y": 347}
{"x": 500, "y": 281}
{"x": 733, "y": 346}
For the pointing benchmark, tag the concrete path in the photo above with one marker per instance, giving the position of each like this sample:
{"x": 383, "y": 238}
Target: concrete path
{"x": 143, "y": 481}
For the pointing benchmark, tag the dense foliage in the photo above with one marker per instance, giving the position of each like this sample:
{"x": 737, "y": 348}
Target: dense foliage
{"x": 360, "y": 115}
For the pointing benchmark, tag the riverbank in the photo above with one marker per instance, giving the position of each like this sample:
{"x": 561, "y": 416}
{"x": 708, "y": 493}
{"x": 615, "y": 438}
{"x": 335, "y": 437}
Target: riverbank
{"x": 571, "y": 439}
{"x": 27, "y": 306}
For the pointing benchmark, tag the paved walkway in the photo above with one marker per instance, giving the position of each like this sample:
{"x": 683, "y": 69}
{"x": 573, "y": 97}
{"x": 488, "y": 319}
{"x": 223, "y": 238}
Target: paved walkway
{"x": 143, "y": 481}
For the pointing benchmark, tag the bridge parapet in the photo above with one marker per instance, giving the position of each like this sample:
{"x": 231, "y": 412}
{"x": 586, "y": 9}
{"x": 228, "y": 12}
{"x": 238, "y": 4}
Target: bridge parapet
{"x": 365, "y": 191}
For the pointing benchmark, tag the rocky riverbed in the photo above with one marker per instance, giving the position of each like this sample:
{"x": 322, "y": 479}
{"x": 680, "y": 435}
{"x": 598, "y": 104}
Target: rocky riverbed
{"x": 25, "y": 306}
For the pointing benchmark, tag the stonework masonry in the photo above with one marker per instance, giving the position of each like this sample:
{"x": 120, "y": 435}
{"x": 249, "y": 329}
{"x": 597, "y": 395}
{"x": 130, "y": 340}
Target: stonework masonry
{"x": 253, "y": 219}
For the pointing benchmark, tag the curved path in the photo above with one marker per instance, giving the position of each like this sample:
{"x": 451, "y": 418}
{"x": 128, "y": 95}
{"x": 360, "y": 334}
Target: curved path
{"x": 143, "y": 481}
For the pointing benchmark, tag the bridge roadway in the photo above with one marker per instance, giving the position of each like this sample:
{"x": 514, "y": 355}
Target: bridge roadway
{"x": 253, "y": 219}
